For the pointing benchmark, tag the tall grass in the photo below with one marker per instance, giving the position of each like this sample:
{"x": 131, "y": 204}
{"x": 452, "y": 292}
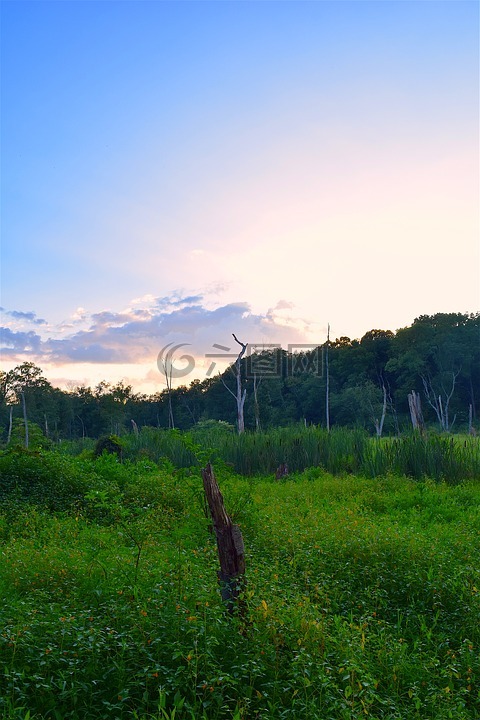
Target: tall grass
{"x": 362, "y": 600}
{"x": 340, "y": 451}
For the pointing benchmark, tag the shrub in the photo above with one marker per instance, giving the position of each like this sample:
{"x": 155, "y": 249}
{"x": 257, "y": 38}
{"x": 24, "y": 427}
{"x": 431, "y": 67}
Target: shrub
{"x": 109, "y": 444}
{"x": 42, "y": 478}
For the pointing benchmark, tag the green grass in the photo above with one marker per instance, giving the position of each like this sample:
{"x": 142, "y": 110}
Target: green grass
{"x": 439, "y": 457}
{"x": 362, "y": 597}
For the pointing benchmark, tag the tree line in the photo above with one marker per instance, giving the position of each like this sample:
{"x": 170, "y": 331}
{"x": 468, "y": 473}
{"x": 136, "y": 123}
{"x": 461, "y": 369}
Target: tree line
{"x": 429, "y": 370}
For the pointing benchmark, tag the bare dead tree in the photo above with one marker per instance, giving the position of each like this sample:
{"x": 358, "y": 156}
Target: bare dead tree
{"x": 470, "y": 419}
{"x": 256, "y": 383}
{"x": 472, "y": 398}
{"x": 240, "y": 394}
{"x": 327, "y": 386}
{"x": 24, "y": 407}
{"x": 82, "y": 424}
{"x": 440, "y": 405}
{"x": 379, "y": 423}
{"x": 416, "y": 414}
{"x": 166, "y": 367}
{"x": 168, "y": 378}
{"x": 10, "y": 424}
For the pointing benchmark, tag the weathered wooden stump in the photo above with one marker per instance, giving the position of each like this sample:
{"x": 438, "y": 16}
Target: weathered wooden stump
{"x": 281, "y": 471}
{"x": 231, "y": 551}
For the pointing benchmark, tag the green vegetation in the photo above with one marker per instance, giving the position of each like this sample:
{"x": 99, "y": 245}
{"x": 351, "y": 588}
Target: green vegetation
{"x": 362, "y": 598}
{"x": 340, "y": 451}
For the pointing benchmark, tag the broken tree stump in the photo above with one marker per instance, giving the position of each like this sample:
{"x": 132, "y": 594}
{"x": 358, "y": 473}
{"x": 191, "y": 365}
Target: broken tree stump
{"x": 231, "y": 551}
{"x": 281, "y": 471}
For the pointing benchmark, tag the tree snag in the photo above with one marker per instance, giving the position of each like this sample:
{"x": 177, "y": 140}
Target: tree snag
{"x": 240, "y": 394}
{"x": 416, "y": 414}
{"x": 231, "y": 552}
{"x": 327, "y": 381}
{"x": 25, "y": 421}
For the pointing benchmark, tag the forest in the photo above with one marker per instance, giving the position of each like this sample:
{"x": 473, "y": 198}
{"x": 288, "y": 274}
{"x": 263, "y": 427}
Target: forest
{"x": 436, "y": 359}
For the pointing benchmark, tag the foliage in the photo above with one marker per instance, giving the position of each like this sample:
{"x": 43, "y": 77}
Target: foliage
{"x": 42, "y": 478}
{"x": 363, "y": 598}
{"x": 108, "y": 444}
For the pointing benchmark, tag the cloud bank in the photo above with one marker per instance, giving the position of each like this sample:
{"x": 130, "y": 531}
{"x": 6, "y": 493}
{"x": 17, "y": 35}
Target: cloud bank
{"x": 138, "y": 334}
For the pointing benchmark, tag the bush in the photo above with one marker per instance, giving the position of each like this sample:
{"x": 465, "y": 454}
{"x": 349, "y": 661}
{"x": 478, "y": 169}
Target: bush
{"x": 109, "y": 444}
{"x": 42, "y": 478}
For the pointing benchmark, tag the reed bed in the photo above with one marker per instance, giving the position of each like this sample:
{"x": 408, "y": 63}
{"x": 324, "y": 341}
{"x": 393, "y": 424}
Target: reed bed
{"x": 451, "y": 459}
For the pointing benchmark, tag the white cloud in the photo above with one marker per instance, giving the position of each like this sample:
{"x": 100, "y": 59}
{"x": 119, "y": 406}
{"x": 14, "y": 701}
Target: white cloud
{"x": 132, "y": 339}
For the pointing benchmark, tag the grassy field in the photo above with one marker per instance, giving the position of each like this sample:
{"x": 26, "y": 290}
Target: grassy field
{"x": 362, "y": 597}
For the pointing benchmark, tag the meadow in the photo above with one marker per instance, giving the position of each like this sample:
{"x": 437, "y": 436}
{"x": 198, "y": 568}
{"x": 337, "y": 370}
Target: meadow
{"x": 362, "y": 597}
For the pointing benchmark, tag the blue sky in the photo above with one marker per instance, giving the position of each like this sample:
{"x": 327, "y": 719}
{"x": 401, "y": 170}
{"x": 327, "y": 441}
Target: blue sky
{"x": 178, "y": 171}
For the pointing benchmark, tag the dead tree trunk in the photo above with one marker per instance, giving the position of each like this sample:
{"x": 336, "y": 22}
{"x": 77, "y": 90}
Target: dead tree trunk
{"x": 10, "y": 423}
{"x": 24, "y": 406}
{"x": 240, "y": 394}
{"x": 379, "y": 423}
{"x": 231, "y": 552}
{"x": 471, "y": 429}
{"x": 327, "y": 382}
{"x": 416, "y": 411}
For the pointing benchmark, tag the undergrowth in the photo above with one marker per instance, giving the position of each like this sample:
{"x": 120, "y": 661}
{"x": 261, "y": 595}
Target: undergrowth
{"x": 362, "y": 596}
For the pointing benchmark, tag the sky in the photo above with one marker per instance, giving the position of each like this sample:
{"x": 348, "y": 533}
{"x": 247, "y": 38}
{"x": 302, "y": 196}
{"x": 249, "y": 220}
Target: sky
{"x": 175, "y": 172}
